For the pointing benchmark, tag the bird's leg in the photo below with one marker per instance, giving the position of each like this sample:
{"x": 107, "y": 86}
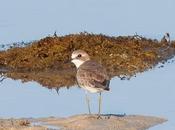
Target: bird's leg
{"x": 87, "y": 101}
{"x": 99, "y": 107}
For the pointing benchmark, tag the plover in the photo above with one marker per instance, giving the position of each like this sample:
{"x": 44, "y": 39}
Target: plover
{"x": 91, "y": 75}
{"x": 166, "y": 38}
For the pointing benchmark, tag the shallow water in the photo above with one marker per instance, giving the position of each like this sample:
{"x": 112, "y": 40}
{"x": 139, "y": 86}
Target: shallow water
{"x": 150, "y": 93}
{"x": 49, "y": 127}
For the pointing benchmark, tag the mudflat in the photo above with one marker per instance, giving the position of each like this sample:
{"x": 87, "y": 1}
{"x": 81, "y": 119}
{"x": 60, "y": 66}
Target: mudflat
{"x": 83, "y": 122}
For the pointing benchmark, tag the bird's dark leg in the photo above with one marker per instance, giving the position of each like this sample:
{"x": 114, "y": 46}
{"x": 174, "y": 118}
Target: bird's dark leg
{"x": 99, "y": 107}
{"x": 87, "y": 101}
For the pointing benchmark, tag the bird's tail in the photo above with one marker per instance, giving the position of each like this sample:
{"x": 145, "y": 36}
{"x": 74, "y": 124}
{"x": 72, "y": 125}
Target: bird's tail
{"x": 107, "y": 89}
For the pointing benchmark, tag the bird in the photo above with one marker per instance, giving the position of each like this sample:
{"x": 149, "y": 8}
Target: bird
{"x": 91, "y": 76}
{"x": 166, "y": 39}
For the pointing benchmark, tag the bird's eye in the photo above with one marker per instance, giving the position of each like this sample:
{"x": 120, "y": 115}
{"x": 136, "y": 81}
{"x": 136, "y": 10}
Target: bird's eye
{"x": 79, "y": 55}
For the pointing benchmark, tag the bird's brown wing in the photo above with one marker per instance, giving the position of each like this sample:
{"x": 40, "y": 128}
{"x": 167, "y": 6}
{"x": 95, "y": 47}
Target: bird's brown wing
{"x": 93, "y": 74}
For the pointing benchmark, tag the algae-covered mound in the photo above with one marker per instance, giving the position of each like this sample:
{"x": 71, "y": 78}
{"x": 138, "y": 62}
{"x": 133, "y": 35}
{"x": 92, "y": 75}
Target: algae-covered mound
{"x": 123, "y": 55}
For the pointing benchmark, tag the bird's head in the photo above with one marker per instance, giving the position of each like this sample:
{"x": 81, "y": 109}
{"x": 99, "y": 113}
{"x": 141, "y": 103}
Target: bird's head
{"x": 79, "y": 57}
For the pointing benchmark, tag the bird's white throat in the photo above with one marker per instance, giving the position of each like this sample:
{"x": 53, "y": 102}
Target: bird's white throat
{"x": 77, "y": 62}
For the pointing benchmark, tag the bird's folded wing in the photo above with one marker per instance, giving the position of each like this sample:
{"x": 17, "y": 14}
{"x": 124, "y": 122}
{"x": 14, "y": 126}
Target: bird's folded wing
{"x": 95, "y": 75}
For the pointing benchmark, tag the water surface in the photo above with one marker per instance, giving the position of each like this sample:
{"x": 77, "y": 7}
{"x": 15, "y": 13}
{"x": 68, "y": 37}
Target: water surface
{"x": 150, "y": 93}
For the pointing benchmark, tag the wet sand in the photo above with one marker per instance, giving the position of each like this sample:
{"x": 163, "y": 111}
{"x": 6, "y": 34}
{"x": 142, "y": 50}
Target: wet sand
{"x": 18, "y": 124}
{"x": 83, "y": 122}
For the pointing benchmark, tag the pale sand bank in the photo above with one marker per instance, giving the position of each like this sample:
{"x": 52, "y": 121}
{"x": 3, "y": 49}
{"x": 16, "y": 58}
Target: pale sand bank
{"x": 83, "y": 122}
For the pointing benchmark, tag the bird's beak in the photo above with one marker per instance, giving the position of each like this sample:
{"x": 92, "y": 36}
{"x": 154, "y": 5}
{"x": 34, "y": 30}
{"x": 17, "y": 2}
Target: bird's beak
{"x": 72, "y": 59}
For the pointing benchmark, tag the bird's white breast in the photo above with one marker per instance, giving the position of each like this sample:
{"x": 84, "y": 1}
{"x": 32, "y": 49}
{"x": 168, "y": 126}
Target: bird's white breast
{"x": 92, "y": 89}
{"x": 77, "y": 62}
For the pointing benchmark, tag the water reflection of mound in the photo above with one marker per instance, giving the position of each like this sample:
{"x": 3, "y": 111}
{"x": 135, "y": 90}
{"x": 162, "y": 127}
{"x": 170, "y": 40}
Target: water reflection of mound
{"x": 49, "y": 79}
{"x": 55, "y": 79}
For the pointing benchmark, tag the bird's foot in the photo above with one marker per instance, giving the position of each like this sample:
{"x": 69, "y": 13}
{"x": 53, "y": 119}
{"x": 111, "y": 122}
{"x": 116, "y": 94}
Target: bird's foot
{"x": 99, "y": 117}
{"x": 108, "y": 117}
